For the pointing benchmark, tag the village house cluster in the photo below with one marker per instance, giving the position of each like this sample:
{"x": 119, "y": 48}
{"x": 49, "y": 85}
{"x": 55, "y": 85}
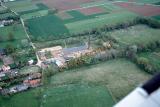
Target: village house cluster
{"x": 33, "y": 80}
{"x": 9, "y": 70}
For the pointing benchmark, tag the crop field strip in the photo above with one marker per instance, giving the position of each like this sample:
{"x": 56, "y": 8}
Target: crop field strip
{"x": 141, "y": 9}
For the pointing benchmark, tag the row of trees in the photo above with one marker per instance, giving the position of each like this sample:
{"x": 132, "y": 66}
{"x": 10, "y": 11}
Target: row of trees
{"x": 144, "y": 63}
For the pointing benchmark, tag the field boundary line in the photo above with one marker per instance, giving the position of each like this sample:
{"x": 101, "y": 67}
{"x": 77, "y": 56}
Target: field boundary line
{"x": 110, "y": 92}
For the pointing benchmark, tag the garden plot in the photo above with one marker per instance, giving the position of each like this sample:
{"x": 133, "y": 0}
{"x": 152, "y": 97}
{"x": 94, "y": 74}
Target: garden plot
{"x": 139, "y": 34}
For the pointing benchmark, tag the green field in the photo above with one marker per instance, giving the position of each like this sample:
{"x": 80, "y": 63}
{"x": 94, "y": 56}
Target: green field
{"x": 27, "y": 99}
{"x": 20, "y": 6}
{"x": 16, "y": 30}
{"x": 47, "y": 27}
{"x": 100, "y": 21}
{"x": 136, "y": 35}
{"x": 92, "y": 86}
{"x": 119, "y": 76}
{"x": 77, "y": 96}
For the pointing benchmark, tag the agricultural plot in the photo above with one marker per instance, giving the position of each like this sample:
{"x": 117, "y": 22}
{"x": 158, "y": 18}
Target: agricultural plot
{"x": 65, "y": 4}
{"x": 141, "y": 9}
{"x": 77, "y": 96}
{"x": 136, "y": 35}
{"x": 100, "y": 21}
{"x": 91, "y": 10}
{"x": 46, "y": 27}
{"x": 141, "y": 1}
{"x": 20, "y": 6}
{"x": 27, "y": 99}
{"x": 80, "y": 87}
{"x": 153, "y": 58}
{"x": 26, "y": 6}
{"x": 119, "y": 76}
{"x": 17, "y": 33}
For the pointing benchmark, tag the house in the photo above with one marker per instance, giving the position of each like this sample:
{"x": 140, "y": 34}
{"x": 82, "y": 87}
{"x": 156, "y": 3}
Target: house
{"x": 33, "y": 83}
{"x": 5, "y": 68}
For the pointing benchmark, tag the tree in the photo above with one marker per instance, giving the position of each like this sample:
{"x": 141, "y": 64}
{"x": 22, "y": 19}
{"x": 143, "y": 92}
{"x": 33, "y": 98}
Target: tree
{"x": 10, "y": 49}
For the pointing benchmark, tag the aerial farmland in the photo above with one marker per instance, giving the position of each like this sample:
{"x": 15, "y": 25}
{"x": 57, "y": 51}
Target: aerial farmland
{"x": 76, "y": 53}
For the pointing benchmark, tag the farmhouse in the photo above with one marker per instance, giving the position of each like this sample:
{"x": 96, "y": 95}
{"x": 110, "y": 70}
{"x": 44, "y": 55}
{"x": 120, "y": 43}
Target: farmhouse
{"x": 33, "y": 83}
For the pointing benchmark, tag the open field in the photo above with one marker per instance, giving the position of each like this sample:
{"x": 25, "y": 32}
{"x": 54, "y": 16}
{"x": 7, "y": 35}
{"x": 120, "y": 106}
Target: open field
{"x": 136, "y": 35}
{"x": 64, "y": 23}
{"x": 100, "y": 21}
{"x": 78, "y": 96}
{"x": 49, "y": 26}
{"x": 27, "y": 99}
{"x": 120, "y": 76}
{"x": 65, "y": 4}
{"x": 26, "y": 6}
{"x": 16, "y": 30}
{"x": 79, "y": 87}
{"x": 144, "y": 10}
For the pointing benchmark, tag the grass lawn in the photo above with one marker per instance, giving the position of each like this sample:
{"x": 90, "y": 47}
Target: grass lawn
{"x": 47, "y": 26}
{"x": 100, "y": 21}
{"x": 119, "y": 76}
{"x": 136, "y": 35}
{"x": 77, "y": 96}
